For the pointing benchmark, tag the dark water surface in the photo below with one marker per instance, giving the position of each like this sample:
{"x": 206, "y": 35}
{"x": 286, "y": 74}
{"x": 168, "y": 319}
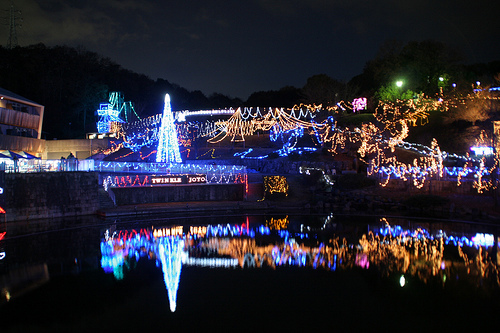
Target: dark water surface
{"x": 248, "y": 273}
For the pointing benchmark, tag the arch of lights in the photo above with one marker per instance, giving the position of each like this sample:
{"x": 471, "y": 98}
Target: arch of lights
{"x": 392, "y": 248}
{"x": 248, "y": 121}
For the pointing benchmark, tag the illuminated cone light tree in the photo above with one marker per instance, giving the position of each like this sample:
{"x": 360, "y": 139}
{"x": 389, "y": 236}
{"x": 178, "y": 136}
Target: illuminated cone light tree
{"x": 168, "y": 145}
{"x": 170, "y": 253}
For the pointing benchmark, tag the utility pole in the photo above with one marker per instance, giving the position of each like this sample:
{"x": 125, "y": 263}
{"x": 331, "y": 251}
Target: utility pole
{"x": 15, "y": 20}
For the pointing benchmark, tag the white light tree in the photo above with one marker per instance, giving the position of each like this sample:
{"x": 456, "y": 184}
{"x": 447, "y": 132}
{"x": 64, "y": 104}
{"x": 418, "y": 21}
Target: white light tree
{"x": 168, "y": 144}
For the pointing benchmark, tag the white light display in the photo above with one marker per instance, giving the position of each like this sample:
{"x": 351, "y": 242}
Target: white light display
{"x": 402, "y": 281}
{"x": 482, "y": 150}
{"x": 180, "y": 116}
{"x": 211, "y": 262}
{"x": 390, "y": 248}
{"x": 168, "y": 145}
{"x": 170, "y": 252}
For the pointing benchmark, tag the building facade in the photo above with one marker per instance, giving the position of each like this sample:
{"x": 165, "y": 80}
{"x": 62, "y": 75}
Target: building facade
{"x": 20, "y": 123}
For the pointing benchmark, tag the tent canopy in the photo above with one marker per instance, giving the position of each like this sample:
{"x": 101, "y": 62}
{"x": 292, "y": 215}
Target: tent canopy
{"x": 12, "y": 155}
{"x": 29, "y": 156}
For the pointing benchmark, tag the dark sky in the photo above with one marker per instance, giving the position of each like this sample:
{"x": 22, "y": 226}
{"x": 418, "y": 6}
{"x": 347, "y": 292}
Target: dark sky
{"x": 238, "y": 47}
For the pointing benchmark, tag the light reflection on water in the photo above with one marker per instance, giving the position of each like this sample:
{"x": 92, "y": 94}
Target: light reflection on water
{"x": 389, "y": 249}
{"x": 86, "y": 274}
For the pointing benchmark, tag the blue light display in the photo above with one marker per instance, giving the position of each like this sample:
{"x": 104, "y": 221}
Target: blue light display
{"x": 107, "y": 115}
{"x": 479, "y": 239}
{"x": 110, "y": 112}
{"x": 168, "y": 145}
{"x": 388, "y": 247}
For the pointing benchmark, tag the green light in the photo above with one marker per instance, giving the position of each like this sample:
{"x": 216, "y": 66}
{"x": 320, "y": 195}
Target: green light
{"x": 399, "y": 83}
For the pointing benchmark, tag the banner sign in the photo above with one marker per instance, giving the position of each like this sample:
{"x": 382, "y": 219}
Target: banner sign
{"x": 178, "y": 179}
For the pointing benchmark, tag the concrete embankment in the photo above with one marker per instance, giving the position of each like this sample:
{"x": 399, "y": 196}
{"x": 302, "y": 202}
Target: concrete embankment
{"x": 203, "y": 207}
{"x": 46, "y": 195}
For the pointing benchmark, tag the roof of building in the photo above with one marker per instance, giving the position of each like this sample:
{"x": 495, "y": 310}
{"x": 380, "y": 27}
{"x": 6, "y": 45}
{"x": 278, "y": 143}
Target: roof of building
{"x": 7, "y": 93}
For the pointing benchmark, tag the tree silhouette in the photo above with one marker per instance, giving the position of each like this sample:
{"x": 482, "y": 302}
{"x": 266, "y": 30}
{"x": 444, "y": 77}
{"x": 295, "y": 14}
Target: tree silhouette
{"x": 322, "y": 89}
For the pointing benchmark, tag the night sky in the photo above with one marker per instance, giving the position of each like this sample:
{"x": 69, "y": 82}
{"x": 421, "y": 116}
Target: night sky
{"x": 239, "y": 47}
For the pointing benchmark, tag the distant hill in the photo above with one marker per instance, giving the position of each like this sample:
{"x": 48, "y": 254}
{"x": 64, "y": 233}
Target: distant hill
{"x": 72, "y": 82}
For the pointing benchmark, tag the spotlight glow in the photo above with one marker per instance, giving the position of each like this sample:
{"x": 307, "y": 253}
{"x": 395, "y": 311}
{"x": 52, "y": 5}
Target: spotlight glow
{"x": 402, "y": 281}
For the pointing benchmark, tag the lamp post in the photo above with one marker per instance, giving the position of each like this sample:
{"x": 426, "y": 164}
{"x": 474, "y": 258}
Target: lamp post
{"x": 398, "y": 91}
{"x": 440, "y": 85}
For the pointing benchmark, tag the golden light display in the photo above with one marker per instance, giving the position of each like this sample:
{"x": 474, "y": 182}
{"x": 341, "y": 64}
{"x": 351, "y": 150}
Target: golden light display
{"x": 166, "y": 232}
{"x": 414, "y": 253}
{"x": 240, "y": 125}
{"x": 278, "y": 224}
{"x": 375, "y": 142}
{"x": 275, "y": 184}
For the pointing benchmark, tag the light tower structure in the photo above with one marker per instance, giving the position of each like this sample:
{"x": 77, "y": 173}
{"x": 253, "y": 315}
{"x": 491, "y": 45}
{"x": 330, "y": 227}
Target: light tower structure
{"x": 113, "y": 112}
{"x": 168, "y": 144}
{"x": 14, "y": 22}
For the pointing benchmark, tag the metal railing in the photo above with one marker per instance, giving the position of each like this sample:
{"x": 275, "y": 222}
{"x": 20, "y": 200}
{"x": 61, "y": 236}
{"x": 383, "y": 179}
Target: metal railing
{"x": 36, "y": 165}
{"x": 214, "y": 173}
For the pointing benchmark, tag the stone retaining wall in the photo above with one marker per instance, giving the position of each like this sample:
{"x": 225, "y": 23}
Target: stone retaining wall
{"x": 49, "y": 194}
{"x": 178, "y": 193}
{"x": 432, "y": 186}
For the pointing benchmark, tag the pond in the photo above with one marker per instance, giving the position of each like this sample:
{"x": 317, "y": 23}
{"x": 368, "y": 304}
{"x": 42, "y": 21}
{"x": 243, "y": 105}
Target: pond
{"x": 247, "y": 273}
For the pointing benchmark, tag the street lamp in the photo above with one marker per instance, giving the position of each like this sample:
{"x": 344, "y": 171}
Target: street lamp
{"x": 399, "y": 83}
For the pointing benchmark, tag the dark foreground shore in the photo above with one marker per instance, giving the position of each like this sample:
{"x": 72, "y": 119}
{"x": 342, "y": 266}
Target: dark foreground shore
{"x": 461, "y": 208}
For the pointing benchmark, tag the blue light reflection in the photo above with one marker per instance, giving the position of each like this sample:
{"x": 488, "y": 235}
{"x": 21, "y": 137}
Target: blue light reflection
{"x": 390, "y": 248}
